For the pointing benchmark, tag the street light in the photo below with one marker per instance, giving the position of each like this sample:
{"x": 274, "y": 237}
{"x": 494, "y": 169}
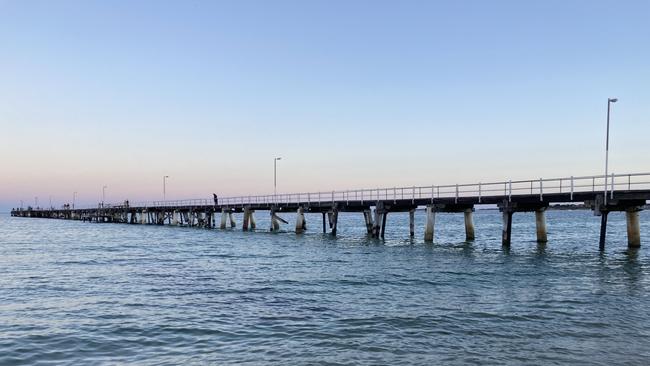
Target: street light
{"x": 74, "y": 198}
{"x": 35, "y": 201}
{"x": 103, "y": 194}
{"x": 164, "y": 187}
{"x": 609, "y": 103}
{"x": 275, "y": 175}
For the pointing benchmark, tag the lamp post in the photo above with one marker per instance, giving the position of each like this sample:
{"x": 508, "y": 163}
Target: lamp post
{"x": 74, "y": 198}
{"x": 103, "y": 194}
{"x": 275, "y": 175}
{"x": 165, "y": 187}
{"x": 609, "y": 103}
{"x": 35, "y": 202}
{"x": 21, "y": 205}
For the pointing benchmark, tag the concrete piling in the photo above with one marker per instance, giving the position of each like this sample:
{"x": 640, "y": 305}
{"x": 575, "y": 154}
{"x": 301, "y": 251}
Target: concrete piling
{"x": 430, "y": 223}
{"x": 233, "y": 224}
{"x": 507, "y": 227}
{"x": 246, "y": 218}
{"x": 469, "y": 224}
{"x": 412, "y": 222}
{"x": 603, "y": 230}
{"x": 633, "y": 227}
{"x": 367, "y": 216}
{"x": 224, "y": 219}
{"x": 376, "y": 225}
{"x": 300, "y": 221}
{"x": 540, "y": 224}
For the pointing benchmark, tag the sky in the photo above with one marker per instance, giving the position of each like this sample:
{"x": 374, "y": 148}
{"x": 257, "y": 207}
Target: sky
{"x": 351, "y": 94}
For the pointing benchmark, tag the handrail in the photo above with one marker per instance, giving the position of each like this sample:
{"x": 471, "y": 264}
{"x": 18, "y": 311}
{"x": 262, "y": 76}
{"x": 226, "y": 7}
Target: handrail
{"x": 506, "y": 189}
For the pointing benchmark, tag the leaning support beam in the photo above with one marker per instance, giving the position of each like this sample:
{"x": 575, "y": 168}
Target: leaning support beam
{"x": 469, "y": 224}
{"x": 275, "y": 225}
{"x": 507, "y": 227}
{"x": 412, "y": 222}
{"x": 383, "y": 224}
{"x": 540, "y": 224}
{"x": 251, "y": 218}
{"x": 324, "y": 224}
{"x": 430, "y": 224}
{"x": 300, "y": 221}
{"x": 633, "y": 228}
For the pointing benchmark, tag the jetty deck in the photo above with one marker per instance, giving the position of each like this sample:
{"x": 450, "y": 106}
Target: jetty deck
{"x": 602, "y": 194}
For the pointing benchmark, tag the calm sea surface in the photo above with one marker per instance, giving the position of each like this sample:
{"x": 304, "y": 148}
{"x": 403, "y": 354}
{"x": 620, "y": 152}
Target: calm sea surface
{"x": 80, "y": 293}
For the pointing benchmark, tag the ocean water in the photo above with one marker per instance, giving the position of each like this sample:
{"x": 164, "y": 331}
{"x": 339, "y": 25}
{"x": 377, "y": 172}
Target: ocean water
{"x": 81, "y": 293}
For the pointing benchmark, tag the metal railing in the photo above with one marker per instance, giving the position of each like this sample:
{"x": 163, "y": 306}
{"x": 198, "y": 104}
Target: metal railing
{"x": 506, "y": 189}
{"x": 541, "y": 186}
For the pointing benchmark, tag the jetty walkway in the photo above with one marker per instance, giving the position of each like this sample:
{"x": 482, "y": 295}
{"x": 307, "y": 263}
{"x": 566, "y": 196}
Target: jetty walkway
{"x": 603, "y": 194}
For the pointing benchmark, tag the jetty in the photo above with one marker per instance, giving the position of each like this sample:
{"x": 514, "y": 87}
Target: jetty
{"x": 628, "y": 193}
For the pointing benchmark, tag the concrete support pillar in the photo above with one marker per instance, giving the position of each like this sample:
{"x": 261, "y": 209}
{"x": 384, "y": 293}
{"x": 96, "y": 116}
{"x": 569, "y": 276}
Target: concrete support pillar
{"x": 430, "y": 225}
{"x": 540, "y": 224}
{"x": 245, "y": 220}
{"x": 412, "y": 223}
{"x": 603, "y": 230}
{"x": 633, "y": 227}
{"x": 300, "y": 221}
{"x": 335, "y": 221}
{"x": 224, "y": 219}
{"x": 324, "y": 225}
{"x": 251, "y": 219}
{"x": 469, "y": 224}
{"x": 507, "y": 227}
{"x": 208, "y": 219}
{"x": 383, "y": 224}
{"x": 376, "y": 225}
{"x": 367, "y": 216}
{"x": 233, "y": 224}
{"x": 143, "y": 217}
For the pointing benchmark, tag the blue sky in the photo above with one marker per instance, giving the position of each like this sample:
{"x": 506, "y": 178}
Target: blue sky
{"x": 350, "y": 93}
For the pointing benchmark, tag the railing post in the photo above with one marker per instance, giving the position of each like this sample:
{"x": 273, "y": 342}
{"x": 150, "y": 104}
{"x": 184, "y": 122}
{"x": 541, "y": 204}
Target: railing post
{"x": 611, "y": 195}
{"x": 572, "y": 188}
{"x": 629, "y": 184}
{"x": 510, "y": 190}
{"x": 479, "y": 192}
{"x": 456, "y": 199}
{"x": 432, "y": 194}
{"x": 541, "y": 190}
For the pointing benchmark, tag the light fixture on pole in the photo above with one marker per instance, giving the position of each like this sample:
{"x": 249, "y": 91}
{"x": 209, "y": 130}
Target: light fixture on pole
{"x": 275, "y": 175}
{"x": 103, "y": 194}
{"x": 609, "y": 103}
{"x": 74, "y": 198}
{"x": 165, "y": 187}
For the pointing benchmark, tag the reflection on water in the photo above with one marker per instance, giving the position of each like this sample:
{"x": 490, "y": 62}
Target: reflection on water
{"x": 108, "y": 293}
